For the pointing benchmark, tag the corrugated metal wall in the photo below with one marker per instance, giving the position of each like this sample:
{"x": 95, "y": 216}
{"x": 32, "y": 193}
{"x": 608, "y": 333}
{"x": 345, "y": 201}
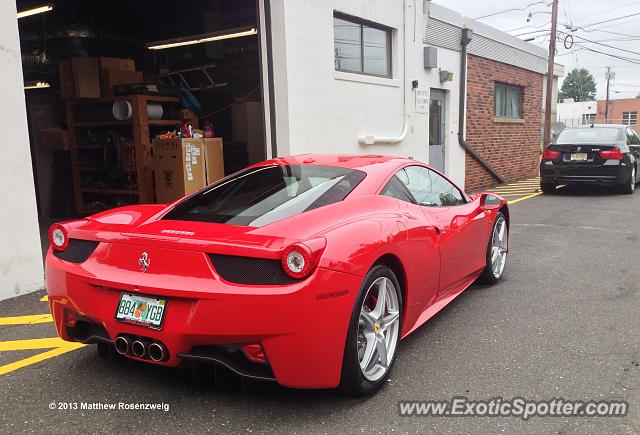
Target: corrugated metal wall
{"x": 441, "y": 34}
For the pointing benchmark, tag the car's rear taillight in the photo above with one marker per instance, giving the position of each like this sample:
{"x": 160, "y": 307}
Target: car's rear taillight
{"x": 548, "y": 154}
{"x": 612, "y": 154}
{"x": 300, "y": 259}
{"x": 70, "y": 318}
{"x": 58, "y": 237}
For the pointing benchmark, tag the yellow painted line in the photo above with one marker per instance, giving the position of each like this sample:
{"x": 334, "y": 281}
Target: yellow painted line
{"x": 524, "y": 198}
{"x": 515, "y": 189}
{"x": 64, "y": 348}
{"x": 26, "y": 320}
{"x": 508, "y": 192}
{"x": 34, "y": 343}
{"x": 44, "y": 298}
{"x": 516, "y": 194}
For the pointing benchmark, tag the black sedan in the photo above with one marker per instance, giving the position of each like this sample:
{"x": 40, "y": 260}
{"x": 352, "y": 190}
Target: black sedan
{"x": 605, "y": 154}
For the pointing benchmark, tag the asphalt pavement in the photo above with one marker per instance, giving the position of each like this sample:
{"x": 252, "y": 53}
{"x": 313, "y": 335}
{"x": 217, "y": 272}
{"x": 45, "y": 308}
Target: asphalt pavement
{"x": 563, "y": 322}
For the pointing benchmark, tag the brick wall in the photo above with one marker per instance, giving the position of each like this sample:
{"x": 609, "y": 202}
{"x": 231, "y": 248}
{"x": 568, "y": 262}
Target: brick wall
{"x": 616, "y": 108}
{"x": 513, "y": 149}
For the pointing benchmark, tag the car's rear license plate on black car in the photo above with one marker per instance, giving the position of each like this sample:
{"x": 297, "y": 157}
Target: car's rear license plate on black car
{"x": 579, "y": 157}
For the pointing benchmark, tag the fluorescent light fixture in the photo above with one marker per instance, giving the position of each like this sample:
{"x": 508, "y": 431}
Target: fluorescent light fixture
{"x": 36, "y": 85}
{"x": 35, "y": 11}
{"x": 200, "y": 39}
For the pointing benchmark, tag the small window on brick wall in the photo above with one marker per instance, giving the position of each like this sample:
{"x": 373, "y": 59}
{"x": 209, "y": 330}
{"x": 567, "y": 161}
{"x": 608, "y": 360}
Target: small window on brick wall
{"x": 507, "y": 101}
{"x": 629, "y": 118}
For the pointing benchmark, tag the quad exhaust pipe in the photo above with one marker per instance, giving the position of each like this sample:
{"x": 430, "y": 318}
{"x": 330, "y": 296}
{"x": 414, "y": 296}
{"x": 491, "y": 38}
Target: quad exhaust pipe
{"x": 141, "y": 348}
{"x": 122, "y": 345}
{"x": 157, "y": 351}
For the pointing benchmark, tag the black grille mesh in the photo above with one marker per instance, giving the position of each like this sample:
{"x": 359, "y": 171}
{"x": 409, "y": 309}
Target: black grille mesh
{"x": 77, "y": 251}
{"x": 247, "y": 270}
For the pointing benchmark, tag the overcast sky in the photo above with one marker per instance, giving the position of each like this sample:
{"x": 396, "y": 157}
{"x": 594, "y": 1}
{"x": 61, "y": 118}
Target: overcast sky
{"x": 622, "y": 34}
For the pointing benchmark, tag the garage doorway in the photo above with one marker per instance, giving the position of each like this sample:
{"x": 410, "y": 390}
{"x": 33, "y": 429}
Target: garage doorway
{"x": 91, "y": 55}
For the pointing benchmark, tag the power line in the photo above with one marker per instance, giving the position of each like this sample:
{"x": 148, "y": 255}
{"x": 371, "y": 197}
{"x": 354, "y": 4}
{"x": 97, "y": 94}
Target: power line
{"x": 608, "y": 10}
{"x": 607, "y": 45}
{"x": 610, "y": 20}
{"x": 626, "y": 59}
{"x": 511, "y": 10}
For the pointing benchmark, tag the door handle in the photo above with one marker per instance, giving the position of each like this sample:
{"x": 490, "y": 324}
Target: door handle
{"x": 437, "y": 229}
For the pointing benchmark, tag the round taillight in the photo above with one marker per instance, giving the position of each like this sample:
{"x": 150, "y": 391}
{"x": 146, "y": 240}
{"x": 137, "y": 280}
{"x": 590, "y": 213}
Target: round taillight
{"x": 297, "y": 261}
{"x": 58, "y": 237}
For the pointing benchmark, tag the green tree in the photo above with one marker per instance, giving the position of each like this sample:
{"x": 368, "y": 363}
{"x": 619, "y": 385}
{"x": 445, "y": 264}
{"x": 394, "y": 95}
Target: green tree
{"x": 579, "y": 85}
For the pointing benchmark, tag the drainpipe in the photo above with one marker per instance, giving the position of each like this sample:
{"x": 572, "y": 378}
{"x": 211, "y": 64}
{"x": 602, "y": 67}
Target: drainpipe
{"x": 466, "y": 39}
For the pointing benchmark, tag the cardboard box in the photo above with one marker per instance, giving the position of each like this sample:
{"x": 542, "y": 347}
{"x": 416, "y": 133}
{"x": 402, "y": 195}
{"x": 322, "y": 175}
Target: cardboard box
{"x": 179, "y": 168}
{"x": 86, "y": 77}
{"x": 117, "y": 63}
{"x": 54, "y": 138}
{"x": 115, "y": 77}
{"x": 213, "y": 159}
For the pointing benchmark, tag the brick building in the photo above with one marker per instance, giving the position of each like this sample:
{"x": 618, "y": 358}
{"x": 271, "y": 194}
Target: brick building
{"x": 623, "y": 111}
{"x": 508, "y": 140}
{"x": 505, "y": 93}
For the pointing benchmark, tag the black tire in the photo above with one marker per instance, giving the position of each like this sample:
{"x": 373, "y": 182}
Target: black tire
{"x": 487, "y": 276}
{"x": 352, "y": 381}
{"x": 548, "y": 187}
{"x": 630, "y": 186}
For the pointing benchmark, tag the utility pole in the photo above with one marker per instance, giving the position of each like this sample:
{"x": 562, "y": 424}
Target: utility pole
{"x": 550, "y": 65}
{"x": 609, "y": 76}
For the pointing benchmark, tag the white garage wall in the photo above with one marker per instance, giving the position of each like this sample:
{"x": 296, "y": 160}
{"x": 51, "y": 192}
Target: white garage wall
{"x": 20, "y": 257}
{"x": 327, "y": 111}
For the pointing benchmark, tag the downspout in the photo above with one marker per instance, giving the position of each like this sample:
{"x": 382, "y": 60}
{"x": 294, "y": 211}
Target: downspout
{"x": 466, "y": 38}
{"x": 391, "y": 140}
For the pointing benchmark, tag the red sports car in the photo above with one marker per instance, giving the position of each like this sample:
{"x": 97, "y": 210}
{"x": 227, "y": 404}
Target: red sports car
{"x": 306, "y": 270}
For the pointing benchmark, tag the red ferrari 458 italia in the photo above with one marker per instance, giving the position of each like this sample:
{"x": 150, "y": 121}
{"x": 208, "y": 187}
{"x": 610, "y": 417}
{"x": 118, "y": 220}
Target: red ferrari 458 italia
{"x": 304, "y": 270}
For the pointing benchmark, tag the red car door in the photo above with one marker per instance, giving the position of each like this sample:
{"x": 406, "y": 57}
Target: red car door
{"x": 462, "y": 225}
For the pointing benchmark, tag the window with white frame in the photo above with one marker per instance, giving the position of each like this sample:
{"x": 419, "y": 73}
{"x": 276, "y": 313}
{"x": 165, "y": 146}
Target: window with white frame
{"x": 588, "y": 118}
{"x": 361, "y": 46}
{"x": 507, "y": 101}
{"x": 629, "y": 118}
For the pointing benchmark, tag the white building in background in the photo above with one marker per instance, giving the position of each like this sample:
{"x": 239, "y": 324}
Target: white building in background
{"x": 575, "y": 113}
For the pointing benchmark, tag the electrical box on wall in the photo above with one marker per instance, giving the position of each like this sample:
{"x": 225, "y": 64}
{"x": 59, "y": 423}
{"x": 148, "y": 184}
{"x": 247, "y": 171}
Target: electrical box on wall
{"x": 430, "y": 57}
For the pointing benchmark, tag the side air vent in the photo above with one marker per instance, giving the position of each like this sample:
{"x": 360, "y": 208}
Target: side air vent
{"x": 252, "y": 271}
{"x": 77, "y": 251}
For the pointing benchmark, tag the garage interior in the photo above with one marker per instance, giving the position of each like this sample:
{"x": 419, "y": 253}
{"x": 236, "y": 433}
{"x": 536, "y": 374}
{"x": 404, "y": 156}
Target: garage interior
{"x": 109, "y": 84}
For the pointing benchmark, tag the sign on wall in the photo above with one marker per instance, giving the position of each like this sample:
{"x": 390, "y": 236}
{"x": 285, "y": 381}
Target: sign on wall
{"x": 422, "y": 101}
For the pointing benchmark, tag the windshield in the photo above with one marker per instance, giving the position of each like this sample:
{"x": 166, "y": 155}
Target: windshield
{"x": 588, "y": 135}
{"x": 259, "y": 196}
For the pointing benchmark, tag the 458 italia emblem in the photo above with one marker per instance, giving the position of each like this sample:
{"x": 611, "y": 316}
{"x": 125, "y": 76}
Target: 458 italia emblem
{"x": 144, "y": 261}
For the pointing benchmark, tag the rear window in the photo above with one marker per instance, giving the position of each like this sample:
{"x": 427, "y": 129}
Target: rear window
{"x": 588, "y": 135}
{"x": 259, "y": 196}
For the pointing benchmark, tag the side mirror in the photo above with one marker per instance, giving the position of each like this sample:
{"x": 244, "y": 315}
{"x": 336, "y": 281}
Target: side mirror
{"x": 489, "y": 201}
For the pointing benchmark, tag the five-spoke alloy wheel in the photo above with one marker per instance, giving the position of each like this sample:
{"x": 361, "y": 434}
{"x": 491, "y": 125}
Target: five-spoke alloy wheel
{"x": 496, "y": 251}
{"x": 374, "y": 333}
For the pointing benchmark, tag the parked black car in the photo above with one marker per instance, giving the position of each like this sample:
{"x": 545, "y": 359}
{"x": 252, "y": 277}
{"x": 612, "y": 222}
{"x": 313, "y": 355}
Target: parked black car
{"x": 606, "y": 154}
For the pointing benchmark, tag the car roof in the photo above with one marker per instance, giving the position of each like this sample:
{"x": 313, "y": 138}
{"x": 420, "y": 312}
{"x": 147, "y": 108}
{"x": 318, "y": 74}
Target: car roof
{"x": 351, "y": 161}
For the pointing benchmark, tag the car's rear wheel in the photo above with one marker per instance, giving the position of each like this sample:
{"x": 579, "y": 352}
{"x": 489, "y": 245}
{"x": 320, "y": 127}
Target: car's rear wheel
{"x": 374, "y": 333}
{"x": 547, "y": 187}
{"x": 496, "y": 251}
{"x": 630, "y": 187}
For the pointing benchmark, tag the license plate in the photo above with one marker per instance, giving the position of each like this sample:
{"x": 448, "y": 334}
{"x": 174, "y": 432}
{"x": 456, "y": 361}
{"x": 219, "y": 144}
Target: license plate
{"x": 141, "y": 310}
{"x": 579, "y": 157}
